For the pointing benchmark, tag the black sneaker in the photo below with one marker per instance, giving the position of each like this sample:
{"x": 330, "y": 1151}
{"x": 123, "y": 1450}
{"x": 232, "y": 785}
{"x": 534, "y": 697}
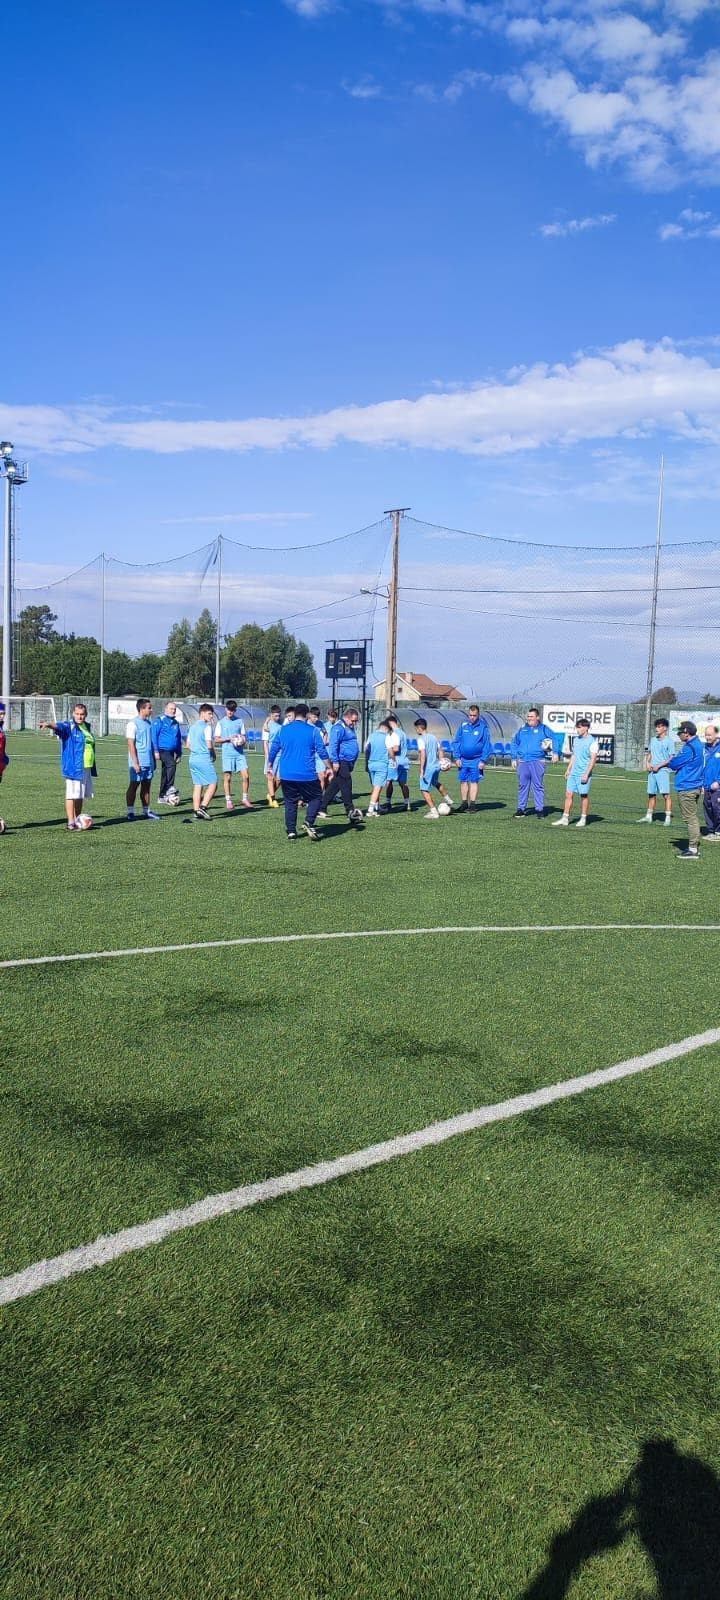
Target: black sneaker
{"x": 520, "y": 813}
{"x": 540, "y": 816}
{"x": 463, "y": 805}
{"x": 472, "y": 805}
{"x": 689, "y": 854}
{"x": 201, "y": 815}
{"x": 311, "y": 832}
{"x": 292, "y": 836}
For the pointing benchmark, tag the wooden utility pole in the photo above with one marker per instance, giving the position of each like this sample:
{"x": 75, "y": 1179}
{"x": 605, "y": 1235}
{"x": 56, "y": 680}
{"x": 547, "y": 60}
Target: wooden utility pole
{"x": 391, "y": 658}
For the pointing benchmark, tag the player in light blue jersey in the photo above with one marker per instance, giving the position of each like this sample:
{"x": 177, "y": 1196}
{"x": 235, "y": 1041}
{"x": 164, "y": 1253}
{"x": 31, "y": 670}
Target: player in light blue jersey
{"x": 271, "y": 727}
{"x": 398, "y": 771}
{"x": 231, "y": 737}
{"x": 201, "y": 757}
{"x": 585, "y": 752}
{"x": 379, "y": 750}
{"x": 660, "y": 749}
{"x": 429, "y": 749}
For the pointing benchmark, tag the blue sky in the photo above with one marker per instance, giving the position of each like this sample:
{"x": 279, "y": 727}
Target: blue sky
{"x": 275, "y": 265}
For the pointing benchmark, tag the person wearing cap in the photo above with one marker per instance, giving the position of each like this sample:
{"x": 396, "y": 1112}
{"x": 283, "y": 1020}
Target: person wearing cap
{"x": 711, "y": 781}
{"x": 688, "y": 767}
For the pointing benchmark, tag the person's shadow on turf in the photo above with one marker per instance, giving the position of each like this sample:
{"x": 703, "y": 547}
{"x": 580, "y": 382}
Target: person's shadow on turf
{"x": 671, "y": 1503}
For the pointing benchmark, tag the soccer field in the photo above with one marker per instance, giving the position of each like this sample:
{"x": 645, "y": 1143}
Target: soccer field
{"x": 487, "y": 1367}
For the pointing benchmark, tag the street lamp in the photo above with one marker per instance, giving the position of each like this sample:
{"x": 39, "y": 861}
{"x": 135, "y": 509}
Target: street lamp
{"x": 15, "y": 475}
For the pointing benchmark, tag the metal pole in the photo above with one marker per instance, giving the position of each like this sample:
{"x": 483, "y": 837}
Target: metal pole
{"x": 7, "y": 599}
{"x": 391, "y": 654}
{"x": 102, "y": 643}
{"x": 217, "y": 629}
{"x": 653, "y": 609}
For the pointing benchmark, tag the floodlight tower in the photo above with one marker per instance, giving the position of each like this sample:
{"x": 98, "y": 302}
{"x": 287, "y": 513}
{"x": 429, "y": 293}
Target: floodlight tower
{"x": 15, "y": 474}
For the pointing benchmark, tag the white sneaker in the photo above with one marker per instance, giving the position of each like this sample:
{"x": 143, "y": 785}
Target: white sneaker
{"x": 581, "y": 822}
{"x": 321, "y": 816}
{"x": 150, "y": 816}
{"x": 647, "y": 817}
{"x": 668, "y": 822}
{"x": 372, "y": 811}
{"x": 432, "y": 814}
{"x": 562, "y": 822}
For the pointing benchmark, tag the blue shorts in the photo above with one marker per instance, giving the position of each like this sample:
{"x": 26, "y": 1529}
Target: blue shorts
{"x": 574, "y": 786}
{"x": 430, "y": 780}
{"x": 401, "y": 772}
{"x": 470, "y": 772}
{"x": 320, "y": 767}
{"x": 233, "y": 760}
{"x": 202, "y": 770}
{"x": 145, "y": 775}
{"x": 379, "y": 775}
{"x": 659, "y": 782}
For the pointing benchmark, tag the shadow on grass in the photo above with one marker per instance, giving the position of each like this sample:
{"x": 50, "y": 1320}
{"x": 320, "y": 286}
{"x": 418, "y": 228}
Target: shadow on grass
{"x": 671, "y": 1503}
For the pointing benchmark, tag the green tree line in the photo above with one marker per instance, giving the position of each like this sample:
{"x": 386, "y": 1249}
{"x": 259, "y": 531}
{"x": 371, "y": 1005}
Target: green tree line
{"x": 254, "y": 662}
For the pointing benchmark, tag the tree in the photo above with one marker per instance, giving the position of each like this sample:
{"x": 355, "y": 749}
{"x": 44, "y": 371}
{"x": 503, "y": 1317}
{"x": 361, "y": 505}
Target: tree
{"x": 177, "y": 673}
{"x": 258, "y": 662}
{"x": 36, "y": 625}
{"x": 665, "y": 696}
{"x": 710, "y": 700}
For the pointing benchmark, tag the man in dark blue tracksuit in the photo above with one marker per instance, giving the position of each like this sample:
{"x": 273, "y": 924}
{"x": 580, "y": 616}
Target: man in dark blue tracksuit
{"x": 167, "y": 749}
{"x": 689, "y": 769}
{"x": 299, "y": 746}
{"x": 343, "y": 751}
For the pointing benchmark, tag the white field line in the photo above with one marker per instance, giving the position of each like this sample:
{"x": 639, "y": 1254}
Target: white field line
{"x": 110, "y": 1247}
{"x": 362, "y": 933}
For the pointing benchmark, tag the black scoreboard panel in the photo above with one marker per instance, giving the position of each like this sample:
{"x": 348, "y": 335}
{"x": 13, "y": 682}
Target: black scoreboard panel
{"x": 346, "y": 661}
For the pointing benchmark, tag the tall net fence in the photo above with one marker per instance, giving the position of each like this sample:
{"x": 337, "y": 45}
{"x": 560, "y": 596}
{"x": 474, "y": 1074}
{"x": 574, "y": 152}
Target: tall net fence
{"x": 541, "y": 620}
{"x": 502, "y": 620}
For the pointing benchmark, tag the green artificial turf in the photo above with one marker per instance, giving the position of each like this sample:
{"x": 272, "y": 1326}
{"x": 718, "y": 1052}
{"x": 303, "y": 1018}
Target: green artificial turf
{"x": 446, "y": 1377}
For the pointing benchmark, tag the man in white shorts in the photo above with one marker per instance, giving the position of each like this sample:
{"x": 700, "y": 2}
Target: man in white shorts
{"x": 77, "y": 762}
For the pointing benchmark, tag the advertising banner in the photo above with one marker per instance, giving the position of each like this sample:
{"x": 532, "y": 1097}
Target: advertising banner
{"x": 562, "y": 719}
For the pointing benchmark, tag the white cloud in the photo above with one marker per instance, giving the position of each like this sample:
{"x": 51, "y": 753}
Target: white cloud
{"x": 310, "y": 8}
{"x": 628, "y": 85}
{"x": 560, "y": 230}
{"x": 363, "y": 89}
{"x": 691, "y": 225}
{"x": 630, "y": 390}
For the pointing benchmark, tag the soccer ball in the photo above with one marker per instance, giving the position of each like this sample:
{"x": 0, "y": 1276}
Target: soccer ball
{"x": 445, "y": 766}
{"x": 444, "y": 808}
{"x": 3, "y": 825}
{"x": 172, "y": 797}
{"x": 84, "y": 821}
{"x": 355, "y": 815}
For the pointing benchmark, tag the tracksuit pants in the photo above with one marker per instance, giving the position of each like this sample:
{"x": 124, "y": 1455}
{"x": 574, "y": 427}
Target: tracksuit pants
{"x": 293, "y": 793}
{"x": 531, "y": 774}
{"x": 168, "y": 765}
{"x": 340, "y": 784}
{"x": 711, "y": 807}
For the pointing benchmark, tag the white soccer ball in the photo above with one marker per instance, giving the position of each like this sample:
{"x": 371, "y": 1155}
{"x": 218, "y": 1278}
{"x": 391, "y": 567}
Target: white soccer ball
{"x": 239, "y": 740}
{"x": 444, "y": 808}
{"x": 445, "y": 766}
{"x": 84, "y": 821}
{"x": 172, "y": 797}
{"x": 3, "y": 825}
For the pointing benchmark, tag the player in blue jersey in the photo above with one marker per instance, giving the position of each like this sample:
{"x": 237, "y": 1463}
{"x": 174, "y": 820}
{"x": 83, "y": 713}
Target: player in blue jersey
{"x": 660, "y": 749}
{"x": 429, "y": 750}
{"x": 471, "y": 748}
{"x": 230, "y": 736}
{"x": 578, "y": 777}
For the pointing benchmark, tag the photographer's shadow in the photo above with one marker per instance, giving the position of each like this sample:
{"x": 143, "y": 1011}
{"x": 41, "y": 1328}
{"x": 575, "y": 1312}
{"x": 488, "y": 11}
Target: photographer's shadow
{"x": 671, "y": 1503}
